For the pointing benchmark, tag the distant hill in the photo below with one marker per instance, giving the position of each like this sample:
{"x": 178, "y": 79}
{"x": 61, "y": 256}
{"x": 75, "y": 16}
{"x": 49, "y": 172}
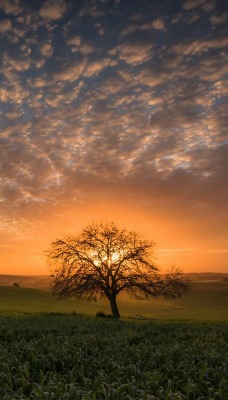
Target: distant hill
{"x": 207, "y": 276}
{"x": 33, "y": 281}
{"x": 44, "y": 281}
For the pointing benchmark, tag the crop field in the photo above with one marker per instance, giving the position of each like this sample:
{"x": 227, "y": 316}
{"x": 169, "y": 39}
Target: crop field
{"x": 206, "y": 301}
{"x": 72, "y": 357}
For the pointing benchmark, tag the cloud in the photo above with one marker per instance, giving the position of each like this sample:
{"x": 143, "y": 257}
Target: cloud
{"x": 184, "y": 250}
{"x": 133, "y": 27}
{"x": 38, "y": 82}
{"x": 220, "y": 89}
{"x": 87, "y": 48}
{"x": 93, "y": 8}
{"x": 11, "y": 6}
{"x": 39, "y": 63}
{"x": 207, "y": 7}
{"x": 135, "y": 53}
{"x": 76, "y": 45}
{"x": 14, "y": 114}
{"x": 193, "y": 18}
{"x": 18, "y": 64}
{"x": 70, "y": 72}
{"x": 219, "y": 120}
{"x": 74, "y": 41}
{"x": 190, "y": 4}
{"x": 52, "y": 9}
{"x": 190, "y": 48}
{"x": 95, "y": 67}
{"x": 112, "y": 85}
{"x": 15, "y": 93}
{"x": 46, "y": 50}
{"x": 219, "y": 19}
{"x": 5, "y": 25}
{"x": 150, "y": 77}
{"x": 199, "y": 47}
{"x": 156, "y": 24}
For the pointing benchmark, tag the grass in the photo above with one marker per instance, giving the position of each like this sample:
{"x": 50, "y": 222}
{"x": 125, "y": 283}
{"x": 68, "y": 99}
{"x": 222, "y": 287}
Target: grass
{"x": 55, "y": 354}
{"x": 207, "y": 301}
{"x": 81, "y": 358}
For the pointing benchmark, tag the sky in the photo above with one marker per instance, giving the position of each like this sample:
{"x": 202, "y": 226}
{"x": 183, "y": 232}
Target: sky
{"x": 114, "y": 110}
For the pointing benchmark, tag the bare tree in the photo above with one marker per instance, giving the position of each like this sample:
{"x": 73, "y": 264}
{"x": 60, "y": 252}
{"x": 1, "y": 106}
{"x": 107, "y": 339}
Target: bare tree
{"x": 104, "y": 260}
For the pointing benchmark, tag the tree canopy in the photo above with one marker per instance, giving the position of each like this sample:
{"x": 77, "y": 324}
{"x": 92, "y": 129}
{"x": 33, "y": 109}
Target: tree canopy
{"x": 104, "y": 260}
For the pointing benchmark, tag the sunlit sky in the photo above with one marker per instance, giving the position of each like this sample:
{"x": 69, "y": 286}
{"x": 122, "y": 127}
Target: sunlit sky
{"x": 114, "y": 110}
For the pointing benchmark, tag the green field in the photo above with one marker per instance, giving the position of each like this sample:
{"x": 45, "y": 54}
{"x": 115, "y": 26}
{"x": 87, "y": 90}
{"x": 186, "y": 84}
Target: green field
{"x": 207, "y": 301}
{"x": 159, "y": 350}
{"x": 84, "y": 358}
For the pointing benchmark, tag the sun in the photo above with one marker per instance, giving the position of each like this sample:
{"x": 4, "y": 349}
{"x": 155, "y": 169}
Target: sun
{"x": 104, "y": 259}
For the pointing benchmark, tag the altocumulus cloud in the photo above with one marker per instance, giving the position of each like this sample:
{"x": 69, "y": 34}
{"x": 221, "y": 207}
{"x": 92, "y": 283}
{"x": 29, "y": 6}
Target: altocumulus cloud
{"x": 112, "y": 94}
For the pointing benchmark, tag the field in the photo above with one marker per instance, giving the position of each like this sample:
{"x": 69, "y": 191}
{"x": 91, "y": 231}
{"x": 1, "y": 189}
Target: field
{"x": 207, "y": 301}
{"x": 57, "y": 350}
{"x": 72, "y": 357}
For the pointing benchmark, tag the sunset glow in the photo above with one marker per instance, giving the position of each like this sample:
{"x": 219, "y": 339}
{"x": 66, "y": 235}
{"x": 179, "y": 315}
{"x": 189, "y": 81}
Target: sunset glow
{"x": 114, "y": 110}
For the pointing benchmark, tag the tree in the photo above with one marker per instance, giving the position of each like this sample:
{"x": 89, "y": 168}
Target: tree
{"x": 104, "y": 260}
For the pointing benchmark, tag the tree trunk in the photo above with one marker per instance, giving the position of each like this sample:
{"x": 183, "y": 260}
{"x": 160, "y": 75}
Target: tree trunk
{"x": 114, "y": 308}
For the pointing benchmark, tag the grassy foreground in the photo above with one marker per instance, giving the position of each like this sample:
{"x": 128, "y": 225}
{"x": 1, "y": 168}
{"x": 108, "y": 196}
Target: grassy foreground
{"x": 72, "y": 357}
{"x": 207, "y": 301}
